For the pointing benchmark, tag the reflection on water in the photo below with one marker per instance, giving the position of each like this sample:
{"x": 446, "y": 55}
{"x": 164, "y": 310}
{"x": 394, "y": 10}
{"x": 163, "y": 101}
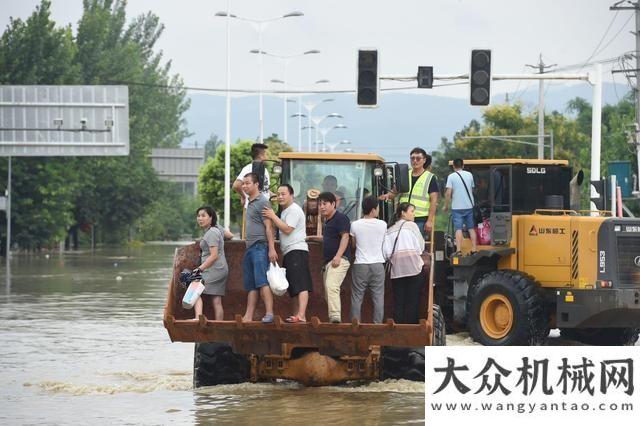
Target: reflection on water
{"x": 289, "y": 403}
{"x": 78, "y": 346}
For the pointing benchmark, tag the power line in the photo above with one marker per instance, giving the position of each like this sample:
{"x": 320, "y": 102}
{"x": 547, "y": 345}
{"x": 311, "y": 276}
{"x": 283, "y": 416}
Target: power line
{"x": 615, "y": 36}
{"x": 254, "y": 91}
{"x": 582, "y": 65}
{"x": 601, "y": 40}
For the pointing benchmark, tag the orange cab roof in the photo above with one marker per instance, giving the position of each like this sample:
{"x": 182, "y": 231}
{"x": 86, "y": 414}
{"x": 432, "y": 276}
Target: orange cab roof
{"x": 344, "y": 156}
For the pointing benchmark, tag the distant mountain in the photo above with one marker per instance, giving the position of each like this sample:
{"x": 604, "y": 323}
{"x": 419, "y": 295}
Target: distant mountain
{"x": 402, "y": 120}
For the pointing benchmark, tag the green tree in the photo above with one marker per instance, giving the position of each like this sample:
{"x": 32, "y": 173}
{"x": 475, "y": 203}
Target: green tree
{"x": 122, "y": 189}
{"x": 211, "y": 146}
{"x": 56, "y": 194}
{"x": 211, "y": 180}
{"x": 36, "y": 52}
{"x": 170, "y": 217}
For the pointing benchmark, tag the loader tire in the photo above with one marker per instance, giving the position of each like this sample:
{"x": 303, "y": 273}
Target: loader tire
{"x": 507, "y": 308}
{"x": 439, "y": 328}
{"x": 626, "y": 336}
{"x": 402, "y": 363}
{"x": 216, "y": 364}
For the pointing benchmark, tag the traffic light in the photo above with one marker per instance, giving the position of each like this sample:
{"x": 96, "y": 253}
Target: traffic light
{"x": 367, "y": 95}
{"x": 480, "y": 77}
{"x": 601, "y": 188}
{"x": 425, "y": 77}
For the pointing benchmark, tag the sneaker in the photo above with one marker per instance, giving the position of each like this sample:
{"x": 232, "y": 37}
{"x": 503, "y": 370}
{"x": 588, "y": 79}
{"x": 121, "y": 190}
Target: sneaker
{"x": 335, "y": 320}
{"x": 267, "y": 319}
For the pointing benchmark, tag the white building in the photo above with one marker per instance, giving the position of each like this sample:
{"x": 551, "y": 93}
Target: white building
{"x": 180, "y": 165}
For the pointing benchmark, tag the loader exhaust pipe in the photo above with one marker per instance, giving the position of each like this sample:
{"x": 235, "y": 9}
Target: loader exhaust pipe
{"x": 574, "y": 185}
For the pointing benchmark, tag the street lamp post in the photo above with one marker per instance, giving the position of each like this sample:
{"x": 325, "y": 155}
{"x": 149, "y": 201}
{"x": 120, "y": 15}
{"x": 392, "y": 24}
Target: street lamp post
{"x": 227, "y": 143}
{"x": 319, "y": 119}
{"x": 259, "y": 25}
{"x": 326, "y": 130}
{"x": 310, "y": 106}
{"x": 332, "y": 146}
{"x": 286, "y": 60}
{"x": 308, "y": 129}
{"x": 299, "y": 114}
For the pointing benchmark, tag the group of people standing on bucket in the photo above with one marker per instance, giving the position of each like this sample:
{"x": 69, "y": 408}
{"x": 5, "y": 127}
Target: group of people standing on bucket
{"x": 399, "y": 247}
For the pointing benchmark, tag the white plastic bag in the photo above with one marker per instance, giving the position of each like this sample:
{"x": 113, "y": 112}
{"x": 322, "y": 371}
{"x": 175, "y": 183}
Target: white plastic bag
{"x": 277, "y": 279}
{"x": 194, "y": 291}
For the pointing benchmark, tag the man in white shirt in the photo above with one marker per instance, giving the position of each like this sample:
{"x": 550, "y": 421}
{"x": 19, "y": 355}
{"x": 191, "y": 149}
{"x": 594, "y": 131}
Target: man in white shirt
{"x": 258, "y": 153}
{"x": 368, "y": 269}
{"x": 293, "y": 234}
{"x": 460, "y": 195}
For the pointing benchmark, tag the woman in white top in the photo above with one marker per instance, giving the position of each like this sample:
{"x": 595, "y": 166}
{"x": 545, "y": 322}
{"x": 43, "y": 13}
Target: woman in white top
{"x": 403, "y": 246}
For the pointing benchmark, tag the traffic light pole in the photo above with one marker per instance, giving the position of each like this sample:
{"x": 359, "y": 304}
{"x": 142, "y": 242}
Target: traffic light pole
{"x": 635, "y": 6}
{"x": 594, "y": 78}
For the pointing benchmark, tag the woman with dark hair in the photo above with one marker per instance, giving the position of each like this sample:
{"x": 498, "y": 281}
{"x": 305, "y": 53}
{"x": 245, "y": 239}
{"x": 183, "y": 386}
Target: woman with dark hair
{"x": 213, "y": 264}
{"x": 403, "y": 245}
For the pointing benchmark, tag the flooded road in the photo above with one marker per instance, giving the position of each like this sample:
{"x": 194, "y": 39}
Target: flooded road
{"x": 82, "y": 342}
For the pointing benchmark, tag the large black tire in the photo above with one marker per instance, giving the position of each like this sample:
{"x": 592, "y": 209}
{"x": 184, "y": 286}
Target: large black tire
{"x": 520, "y": 316}
{"x": 216, "y": 364}
{"x": 439, "y": 328}
{"x": 402, "y": 363}
{"x": 602, "y": 336}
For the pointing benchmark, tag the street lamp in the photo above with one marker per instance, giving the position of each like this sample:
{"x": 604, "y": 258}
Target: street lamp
{"x": 310, "y": 106}
{"x": 299, "y": 114}
{"x": 316, "y": 120}
{"x": 259, "y": 25}
{"x": 286, "y": 59}
{"x": 326, "y": 130}
{"x": 333, "y": 146}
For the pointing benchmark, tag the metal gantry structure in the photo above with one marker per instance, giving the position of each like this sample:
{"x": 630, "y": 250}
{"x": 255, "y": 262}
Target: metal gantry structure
{"x": 635, "y": 6}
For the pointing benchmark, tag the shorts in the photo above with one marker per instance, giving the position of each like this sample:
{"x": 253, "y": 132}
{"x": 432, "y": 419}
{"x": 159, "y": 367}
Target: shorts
{"x": 462, "y": 217}
{"x": 254, "y": 266}
{"x": 298, "y": 274}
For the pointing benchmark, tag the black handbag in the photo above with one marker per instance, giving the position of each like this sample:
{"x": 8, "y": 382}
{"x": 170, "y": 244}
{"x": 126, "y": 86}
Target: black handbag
{"x": 477, "y": 213}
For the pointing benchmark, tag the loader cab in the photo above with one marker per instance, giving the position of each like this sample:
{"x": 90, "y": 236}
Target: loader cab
{"x": 351, "y": 177}
{"x": 519, "y": 186}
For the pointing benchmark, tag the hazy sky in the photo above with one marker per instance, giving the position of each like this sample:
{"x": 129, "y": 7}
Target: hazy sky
{"x": 407, "y": 33}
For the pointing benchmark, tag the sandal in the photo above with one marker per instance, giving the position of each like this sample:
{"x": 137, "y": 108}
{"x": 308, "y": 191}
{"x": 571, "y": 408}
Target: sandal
{"x": 267, "y": 319}
{"x": 295, "y": 319}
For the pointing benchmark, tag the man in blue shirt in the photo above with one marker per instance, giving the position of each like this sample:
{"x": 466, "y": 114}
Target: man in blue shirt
{"x": 460, "y": 194}
{"x": 335, "y": 238}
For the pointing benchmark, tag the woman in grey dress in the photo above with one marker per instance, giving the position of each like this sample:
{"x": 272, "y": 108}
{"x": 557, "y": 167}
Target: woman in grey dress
{"x": 213, "y": 264}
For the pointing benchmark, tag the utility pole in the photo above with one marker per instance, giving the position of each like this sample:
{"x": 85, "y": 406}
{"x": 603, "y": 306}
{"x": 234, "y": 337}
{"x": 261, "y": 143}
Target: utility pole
{"x": 635, "y": 6}
{"x": 541, "y": 67}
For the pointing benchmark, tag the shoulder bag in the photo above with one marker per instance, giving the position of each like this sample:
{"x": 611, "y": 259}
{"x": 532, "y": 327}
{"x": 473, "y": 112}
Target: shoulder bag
{"x": 387, "y": 267}
{"x": 477, "y": 214}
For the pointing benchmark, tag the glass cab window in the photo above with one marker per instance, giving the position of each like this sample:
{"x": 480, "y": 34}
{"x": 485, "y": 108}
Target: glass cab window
{"x": 350, "y": 181}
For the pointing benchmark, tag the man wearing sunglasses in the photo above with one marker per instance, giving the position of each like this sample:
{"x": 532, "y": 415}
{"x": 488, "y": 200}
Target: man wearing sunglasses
{"x": 423, "y": 191}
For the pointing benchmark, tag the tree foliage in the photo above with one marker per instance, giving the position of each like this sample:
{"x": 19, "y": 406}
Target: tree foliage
{"x": 109, "y": 192}
{"x": 211, "y": 180}
{"x": 211, "y": 146}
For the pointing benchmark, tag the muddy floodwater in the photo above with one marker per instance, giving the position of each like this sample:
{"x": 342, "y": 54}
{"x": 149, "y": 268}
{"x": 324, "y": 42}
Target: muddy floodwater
{"x": 82, "y": 342}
